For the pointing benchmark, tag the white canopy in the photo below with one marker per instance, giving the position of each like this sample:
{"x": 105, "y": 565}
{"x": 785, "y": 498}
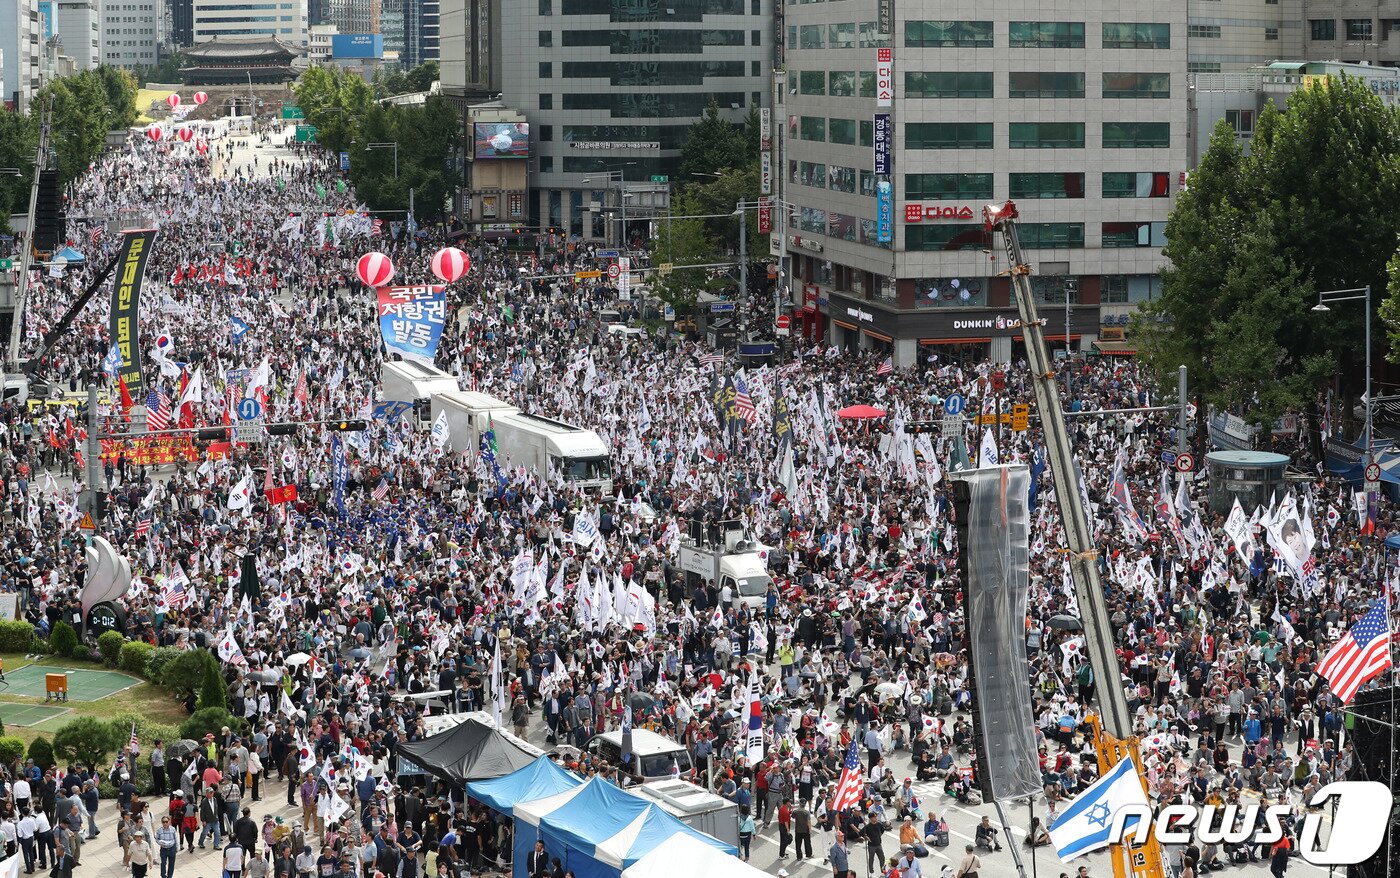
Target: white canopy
{"x": 684, "y": 856}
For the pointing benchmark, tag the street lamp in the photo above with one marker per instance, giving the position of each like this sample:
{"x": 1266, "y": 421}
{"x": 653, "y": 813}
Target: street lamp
{"x": 1327, "y": 297}
{"x": 611, "y": 174}
{"x": 393, "y": 146}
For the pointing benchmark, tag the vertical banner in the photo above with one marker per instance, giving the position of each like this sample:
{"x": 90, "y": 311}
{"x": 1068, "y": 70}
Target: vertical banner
{"x": 339, "y": 473}
{"x": 624, "y": 278}
{"x": 884, "y": 19}
{"x": 125, "y": 319}
{"x": 765, "y": 172}
{"x": 884, "y": 132}
{"x": 765, "y": 128}
{"x": 884, "y": 77}
{"x": 765, "y": 215}
{"x": 411, "y": 320}
{"x": 884, "y": 212}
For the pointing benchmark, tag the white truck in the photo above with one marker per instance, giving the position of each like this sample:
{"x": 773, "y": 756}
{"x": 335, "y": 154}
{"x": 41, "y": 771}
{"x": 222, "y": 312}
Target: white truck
{"x": 416, "y": 383}
{"x": 539, "y": 443}
{"x": 723, "y": 553}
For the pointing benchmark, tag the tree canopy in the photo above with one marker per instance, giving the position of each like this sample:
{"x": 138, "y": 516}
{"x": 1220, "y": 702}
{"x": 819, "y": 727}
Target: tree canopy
{"x": 1255, "y": 236}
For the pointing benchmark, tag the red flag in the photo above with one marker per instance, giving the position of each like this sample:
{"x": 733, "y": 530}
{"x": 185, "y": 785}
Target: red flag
{"x": 53, "y": 440}
{"x": 284, "y": 494}
{"x": 126, "y": 394}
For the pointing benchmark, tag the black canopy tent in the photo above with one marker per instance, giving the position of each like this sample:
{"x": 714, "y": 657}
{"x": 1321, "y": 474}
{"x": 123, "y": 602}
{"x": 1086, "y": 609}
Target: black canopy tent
{"x": 471, "y": 750}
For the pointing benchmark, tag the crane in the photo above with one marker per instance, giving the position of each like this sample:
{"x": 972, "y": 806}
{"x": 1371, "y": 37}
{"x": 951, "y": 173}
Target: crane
{"x": 1112, "y": 726}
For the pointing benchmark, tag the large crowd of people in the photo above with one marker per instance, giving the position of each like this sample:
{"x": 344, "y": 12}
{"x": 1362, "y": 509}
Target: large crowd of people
{"x": 415, "y": 585}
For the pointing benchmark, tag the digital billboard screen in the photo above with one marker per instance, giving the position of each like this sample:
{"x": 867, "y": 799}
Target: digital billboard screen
{"x": 502, "y": 140}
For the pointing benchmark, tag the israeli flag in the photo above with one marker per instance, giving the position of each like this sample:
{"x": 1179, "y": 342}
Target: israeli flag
{"x": 1085, "y": 825}
{"x": 112, "y": 363}
{"x": 238, "y": 328}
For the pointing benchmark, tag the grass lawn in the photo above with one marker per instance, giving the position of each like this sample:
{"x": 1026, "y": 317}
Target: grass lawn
{"x": 144, "y": 699}
{"x": 144, "y": 97}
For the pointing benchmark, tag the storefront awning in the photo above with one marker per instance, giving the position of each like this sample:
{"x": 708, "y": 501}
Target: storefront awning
{"x": 1116, "y": 348}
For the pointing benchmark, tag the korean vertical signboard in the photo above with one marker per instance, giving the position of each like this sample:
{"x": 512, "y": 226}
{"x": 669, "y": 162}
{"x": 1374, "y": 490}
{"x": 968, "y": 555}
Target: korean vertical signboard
{"x": 765, "y": 215}
{"x": 126, "y": 306}
{"x": 765, "y": 128}
{"x": 765, "y": 173}
{"x": 884, "y": 132}
{"x": 884, "y": 212}
{"x": 884, "y": 77}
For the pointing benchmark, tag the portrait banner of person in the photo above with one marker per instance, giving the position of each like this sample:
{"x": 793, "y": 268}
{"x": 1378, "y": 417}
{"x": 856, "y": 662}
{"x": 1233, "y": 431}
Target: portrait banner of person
{"x": 1290, "y": 534}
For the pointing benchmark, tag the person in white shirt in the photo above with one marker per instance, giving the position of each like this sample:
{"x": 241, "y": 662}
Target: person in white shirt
{"x": 43, "y": 838}
{"x": 233, "y": 860}
{"x": 26, "y": 830}
{"x": 22, "y": 793}
{"x": 11, "y": 833}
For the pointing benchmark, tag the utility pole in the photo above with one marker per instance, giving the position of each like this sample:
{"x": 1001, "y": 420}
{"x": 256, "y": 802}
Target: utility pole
{"x": 93, "y": 463}
{"x": 1181, "y": 415}
{"x": 783, "y": 288}
{"x": 743, "y": 262}
{"x": 27, "y": 252}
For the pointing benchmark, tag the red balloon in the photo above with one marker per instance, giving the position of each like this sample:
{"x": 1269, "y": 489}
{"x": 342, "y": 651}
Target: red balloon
{"x": 153, "y": 132}
{"x": 186, "y": 133}
{"x": 200, "y": 97}
{"x": 374, "y": 269}
{"x": 449, "y": 263}
{"x": 173, "y": 101}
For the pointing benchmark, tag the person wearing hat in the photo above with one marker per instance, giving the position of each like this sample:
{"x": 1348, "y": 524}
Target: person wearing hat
{"x": 969, "y": 865}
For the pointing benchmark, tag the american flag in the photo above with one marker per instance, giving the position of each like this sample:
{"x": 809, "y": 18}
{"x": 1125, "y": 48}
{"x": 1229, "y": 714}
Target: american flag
{"x": 852, "y": 783}
{"x": 133, "y": 745}
{"x": 886, "y": 367}
{"x": 380, "y": 489}
{"x": 175, "y": 595}
{"x": 743, "y": 403}
{"x": 711, "y": 359}
{"x": 157, "y": 411}
{"x": 143, "y": 525}
{"x": 1361, "y": 654}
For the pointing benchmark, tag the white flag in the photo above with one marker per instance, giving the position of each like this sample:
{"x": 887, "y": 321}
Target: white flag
{"x": 987, "y": 453}
{"x": 241, "y": 495}
{"x": 439, "y": 433}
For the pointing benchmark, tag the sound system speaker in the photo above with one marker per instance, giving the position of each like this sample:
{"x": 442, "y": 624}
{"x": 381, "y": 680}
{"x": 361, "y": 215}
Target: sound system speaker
{"x": 1373, "y": 717}
{"x": 50, "y": 223}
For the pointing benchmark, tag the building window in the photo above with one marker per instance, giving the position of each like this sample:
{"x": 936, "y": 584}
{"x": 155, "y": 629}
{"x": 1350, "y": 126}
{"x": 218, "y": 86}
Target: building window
{"x": 948, "y": 135}
{"x": 842, "y": 36}
{"x": 1322, "y": 28}
{"x": 867, "y": 184}
{"x": 1203, "y": 31}
{"x": 1203, "y": 67}
{"x": 950, "y": 292}
{"x": 1358, "y": 28}
{"x": 546, "y": 7}
{"x": 843, "y": 226}
{"x": 1051, "y": 236}
{"x": 1136, "y": 135}
{"x": 813, "y": 128}
{"x": 1136, "y": 35}
{"x": 1270, "y": 33}
{"x": 959, "y": 84}
{"x": 811, "y": 219}
{"x": 811, "y": 82}
{"x": 934, "y": 187}
{"x": 1047, "y": 135}
{"x": 867, "y": 83}
{"x": 1240, "y": 120}
{"x": 546, "y": 101}
{"x": 841, "y": 83}
{"x": 755, "y": 37}
{"x": 947, "y": 34}
{"x": 1137, "y": 85}
{"x": 1129, "y": 289}
{"x": 1047, "y": 34}
{"x": 546, "y": 38}
{"x": 870, "y": 36}
{"x": 546, "y": 133}
{"x": 841, "y": 131}
{"x": 1029, "y": 84}
{"x": 1047, "y": 185}
{"x": 867, "y": 132}
{"x": 1130, "y": 184}
{"x": 841, "y": 179}
{"x": 1053, "y": 289}
{"x": 1143, "y": 234}
{"x": 944, "y": 236}
{"x": 809, "y": 36}
{"x": 546, "y": 70}
{"x": 811, "y": 174}
{"x": 546, "y": 164}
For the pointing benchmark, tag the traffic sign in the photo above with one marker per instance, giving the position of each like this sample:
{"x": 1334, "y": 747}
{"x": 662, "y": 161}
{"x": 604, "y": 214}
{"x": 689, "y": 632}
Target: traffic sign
{"x": 587, "y": 275}
{"x": 665, "y": 268}
{"x": 783, "y": 322}
{"x": 344, "y": 160}
{"x": 954, "y": 404}
{"x": 291, "y": 112}
{"x": 1020, "y": 418}
{"x": 87, "y": 522}
{"x": 660, "y": 178}
{"x": 606, "y": 254}
{"x": 952, "y": 424}
{"x": 1373, "y": 477}
{"x": 614, "y": 272}
{"x": 249, "y": 409}
{"x": 1169, "y": 457}
{"x": 306, "y": 133}
{"x": 721, "y": 307}
{"x": 1185, "y": 462}
{"x": 7, "y": 264}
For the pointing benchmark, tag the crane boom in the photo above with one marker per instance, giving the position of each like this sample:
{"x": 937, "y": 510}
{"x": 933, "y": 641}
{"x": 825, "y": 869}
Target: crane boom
{"x": 1083, "y": 557}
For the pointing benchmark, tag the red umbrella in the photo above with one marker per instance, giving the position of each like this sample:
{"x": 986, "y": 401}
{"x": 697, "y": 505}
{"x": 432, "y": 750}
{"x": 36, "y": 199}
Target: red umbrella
{"x": 860, "y": 413}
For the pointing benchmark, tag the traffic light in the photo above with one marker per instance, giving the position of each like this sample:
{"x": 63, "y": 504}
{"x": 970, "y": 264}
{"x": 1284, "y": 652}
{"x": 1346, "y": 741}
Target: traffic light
{"x": 212, "y": 434}
{"x": 282, "y": 429}
{"x": 352, "y": 426}
{"x": 922, "y": 427}
{"x": 50, "y": 224}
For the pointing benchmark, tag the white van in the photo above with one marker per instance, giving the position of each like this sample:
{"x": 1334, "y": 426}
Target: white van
{"x": 656, "y": 755}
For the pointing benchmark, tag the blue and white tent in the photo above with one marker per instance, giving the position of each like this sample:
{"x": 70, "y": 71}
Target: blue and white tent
{"x": 538, "y": 780}
{"x": 596, "y": 829}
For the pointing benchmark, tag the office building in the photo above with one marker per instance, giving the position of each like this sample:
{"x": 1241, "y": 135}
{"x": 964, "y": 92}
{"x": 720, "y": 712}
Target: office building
{"x": 179, "y": 15}
{"x": 21, "y": 39}
{"x": 391, "y": 25}
{"x": 1226, "y": 36}
{"x": 467, "y": 72}
{"x": 320, "y": 38}
{"x": 421, "y": 24}
{"x": 286, "y": 20}
{"x": 898, "y": 128}
{"x": 78, "y": 26}
{"x": 130, "y": 33}
{"x": 610, "y": 88}
{"x": 352, "y": 16}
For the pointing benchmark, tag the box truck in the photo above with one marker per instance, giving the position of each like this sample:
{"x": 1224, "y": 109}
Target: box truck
{"x": 416, "y": 383}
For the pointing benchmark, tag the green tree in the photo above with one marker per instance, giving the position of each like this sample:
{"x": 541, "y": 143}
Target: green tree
{"x": 19, "y": 137}
{"x": 41, "y": 751}
{"x": 185, "y": 673}
{"x": 85, "y": 739}
{"x": 422, "y": 77}
{"x": 166, "y": 72}
{"x": 63, "y": 640}
{"x": 711, "y": 145}
{"x": 213, "y": 691}
{"x": 120, "y": 86}
{"x": 682, "y": 242}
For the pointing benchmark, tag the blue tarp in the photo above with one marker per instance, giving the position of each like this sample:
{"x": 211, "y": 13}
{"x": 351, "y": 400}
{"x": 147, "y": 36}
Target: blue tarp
{"x": 70, "y": 254}
{"x": 595, "y": 830}
{"x": 537, "y": 780}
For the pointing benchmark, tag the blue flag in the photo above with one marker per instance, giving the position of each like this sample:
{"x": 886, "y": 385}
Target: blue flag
{"x": 488, "y": 456}
{"x": 238, "y": 328}
{"x": 113, "y": 361}
{"x": 339, "y": 471}
{"x": 391, "y": 410}
{"x": 1037, "y": 468}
